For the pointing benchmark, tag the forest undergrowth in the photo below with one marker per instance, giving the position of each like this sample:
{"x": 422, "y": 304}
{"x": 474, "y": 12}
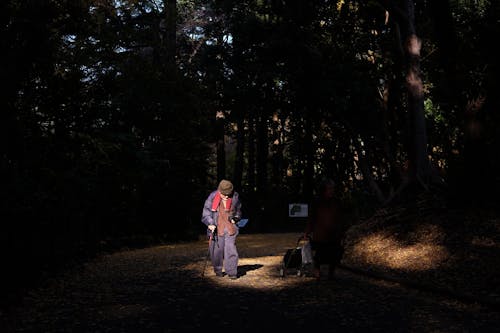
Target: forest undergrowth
{"x": 454, "y": 251}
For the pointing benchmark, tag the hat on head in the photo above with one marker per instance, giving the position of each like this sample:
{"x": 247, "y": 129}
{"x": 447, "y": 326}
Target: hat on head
{"x": 225, "y": 187}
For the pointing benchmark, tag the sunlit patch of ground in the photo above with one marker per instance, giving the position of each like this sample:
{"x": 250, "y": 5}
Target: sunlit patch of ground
{"x": 261, "y": 273}
{"x": 419, "y": 250}
{"x": 383, "y": 250}
{"x": 457, "y": 251}
{"x": 259, "y": 264}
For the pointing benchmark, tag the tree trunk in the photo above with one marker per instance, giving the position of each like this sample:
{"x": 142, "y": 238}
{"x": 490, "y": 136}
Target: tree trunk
{"x": 221, "y": 151}
{"x": 392, "y": 112}
{"x": 252, "y": 206}
{"x": 251, "y": 154}
{"x": 308, "y": 182}
{"x": 419, "y": 165}
{"x": 419, "y": 161}
{"x": 262, "y": 153}
{"x": 240, "y": 149}
{"x": 277, "y": 152}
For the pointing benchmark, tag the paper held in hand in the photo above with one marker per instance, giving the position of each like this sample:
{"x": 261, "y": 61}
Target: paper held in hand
{"x": 241, "y": 223}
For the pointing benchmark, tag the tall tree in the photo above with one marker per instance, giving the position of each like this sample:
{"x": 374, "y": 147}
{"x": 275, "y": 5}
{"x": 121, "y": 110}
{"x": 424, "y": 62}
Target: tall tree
{"x": 419, "y": 167}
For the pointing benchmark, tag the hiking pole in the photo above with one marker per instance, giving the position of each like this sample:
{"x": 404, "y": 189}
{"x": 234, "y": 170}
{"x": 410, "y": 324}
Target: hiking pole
{"x": 210, "y": 240}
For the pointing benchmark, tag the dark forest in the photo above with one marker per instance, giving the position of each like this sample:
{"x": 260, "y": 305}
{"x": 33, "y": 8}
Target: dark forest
{"x": 121, "y": 116}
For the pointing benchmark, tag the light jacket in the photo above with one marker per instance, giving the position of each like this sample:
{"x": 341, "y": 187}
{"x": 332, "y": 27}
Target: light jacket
{"x": 209, "y": 216}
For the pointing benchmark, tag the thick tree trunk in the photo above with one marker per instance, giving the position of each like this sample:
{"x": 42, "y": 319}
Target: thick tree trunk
{"x": 419, "y": 166}
{"x": 419, "y": 161}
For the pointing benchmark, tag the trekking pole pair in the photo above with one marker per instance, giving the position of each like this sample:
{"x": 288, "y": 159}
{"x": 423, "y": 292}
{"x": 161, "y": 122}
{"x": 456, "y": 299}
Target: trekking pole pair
{"x": 211, "y": 241}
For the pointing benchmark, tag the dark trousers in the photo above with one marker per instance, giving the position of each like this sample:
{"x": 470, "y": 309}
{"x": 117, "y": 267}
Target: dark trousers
{"x": 327, "y": 253}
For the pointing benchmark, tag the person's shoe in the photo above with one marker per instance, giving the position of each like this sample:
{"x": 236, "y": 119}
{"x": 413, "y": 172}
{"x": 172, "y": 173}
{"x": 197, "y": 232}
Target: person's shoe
{"x": 233, "y": 277}
{"x": 219, "y": 274}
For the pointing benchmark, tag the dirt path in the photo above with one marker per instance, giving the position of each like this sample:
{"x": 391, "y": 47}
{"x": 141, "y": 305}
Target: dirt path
{"x": 160, "y": 289}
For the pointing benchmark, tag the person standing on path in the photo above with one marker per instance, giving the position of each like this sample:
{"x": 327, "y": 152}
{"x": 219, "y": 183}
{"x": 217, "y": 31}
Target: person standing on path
{"x": 221, "y": 212}
{"x": 325, "y": 223}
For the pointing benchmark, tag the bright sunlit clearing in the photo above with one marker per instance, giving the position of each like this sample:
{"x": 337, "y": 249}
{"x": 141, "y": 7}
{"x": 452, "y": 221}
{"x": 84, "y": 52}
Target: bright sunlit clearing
{"x": 260, "y": 273}
{"x": 382, "y": 250}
